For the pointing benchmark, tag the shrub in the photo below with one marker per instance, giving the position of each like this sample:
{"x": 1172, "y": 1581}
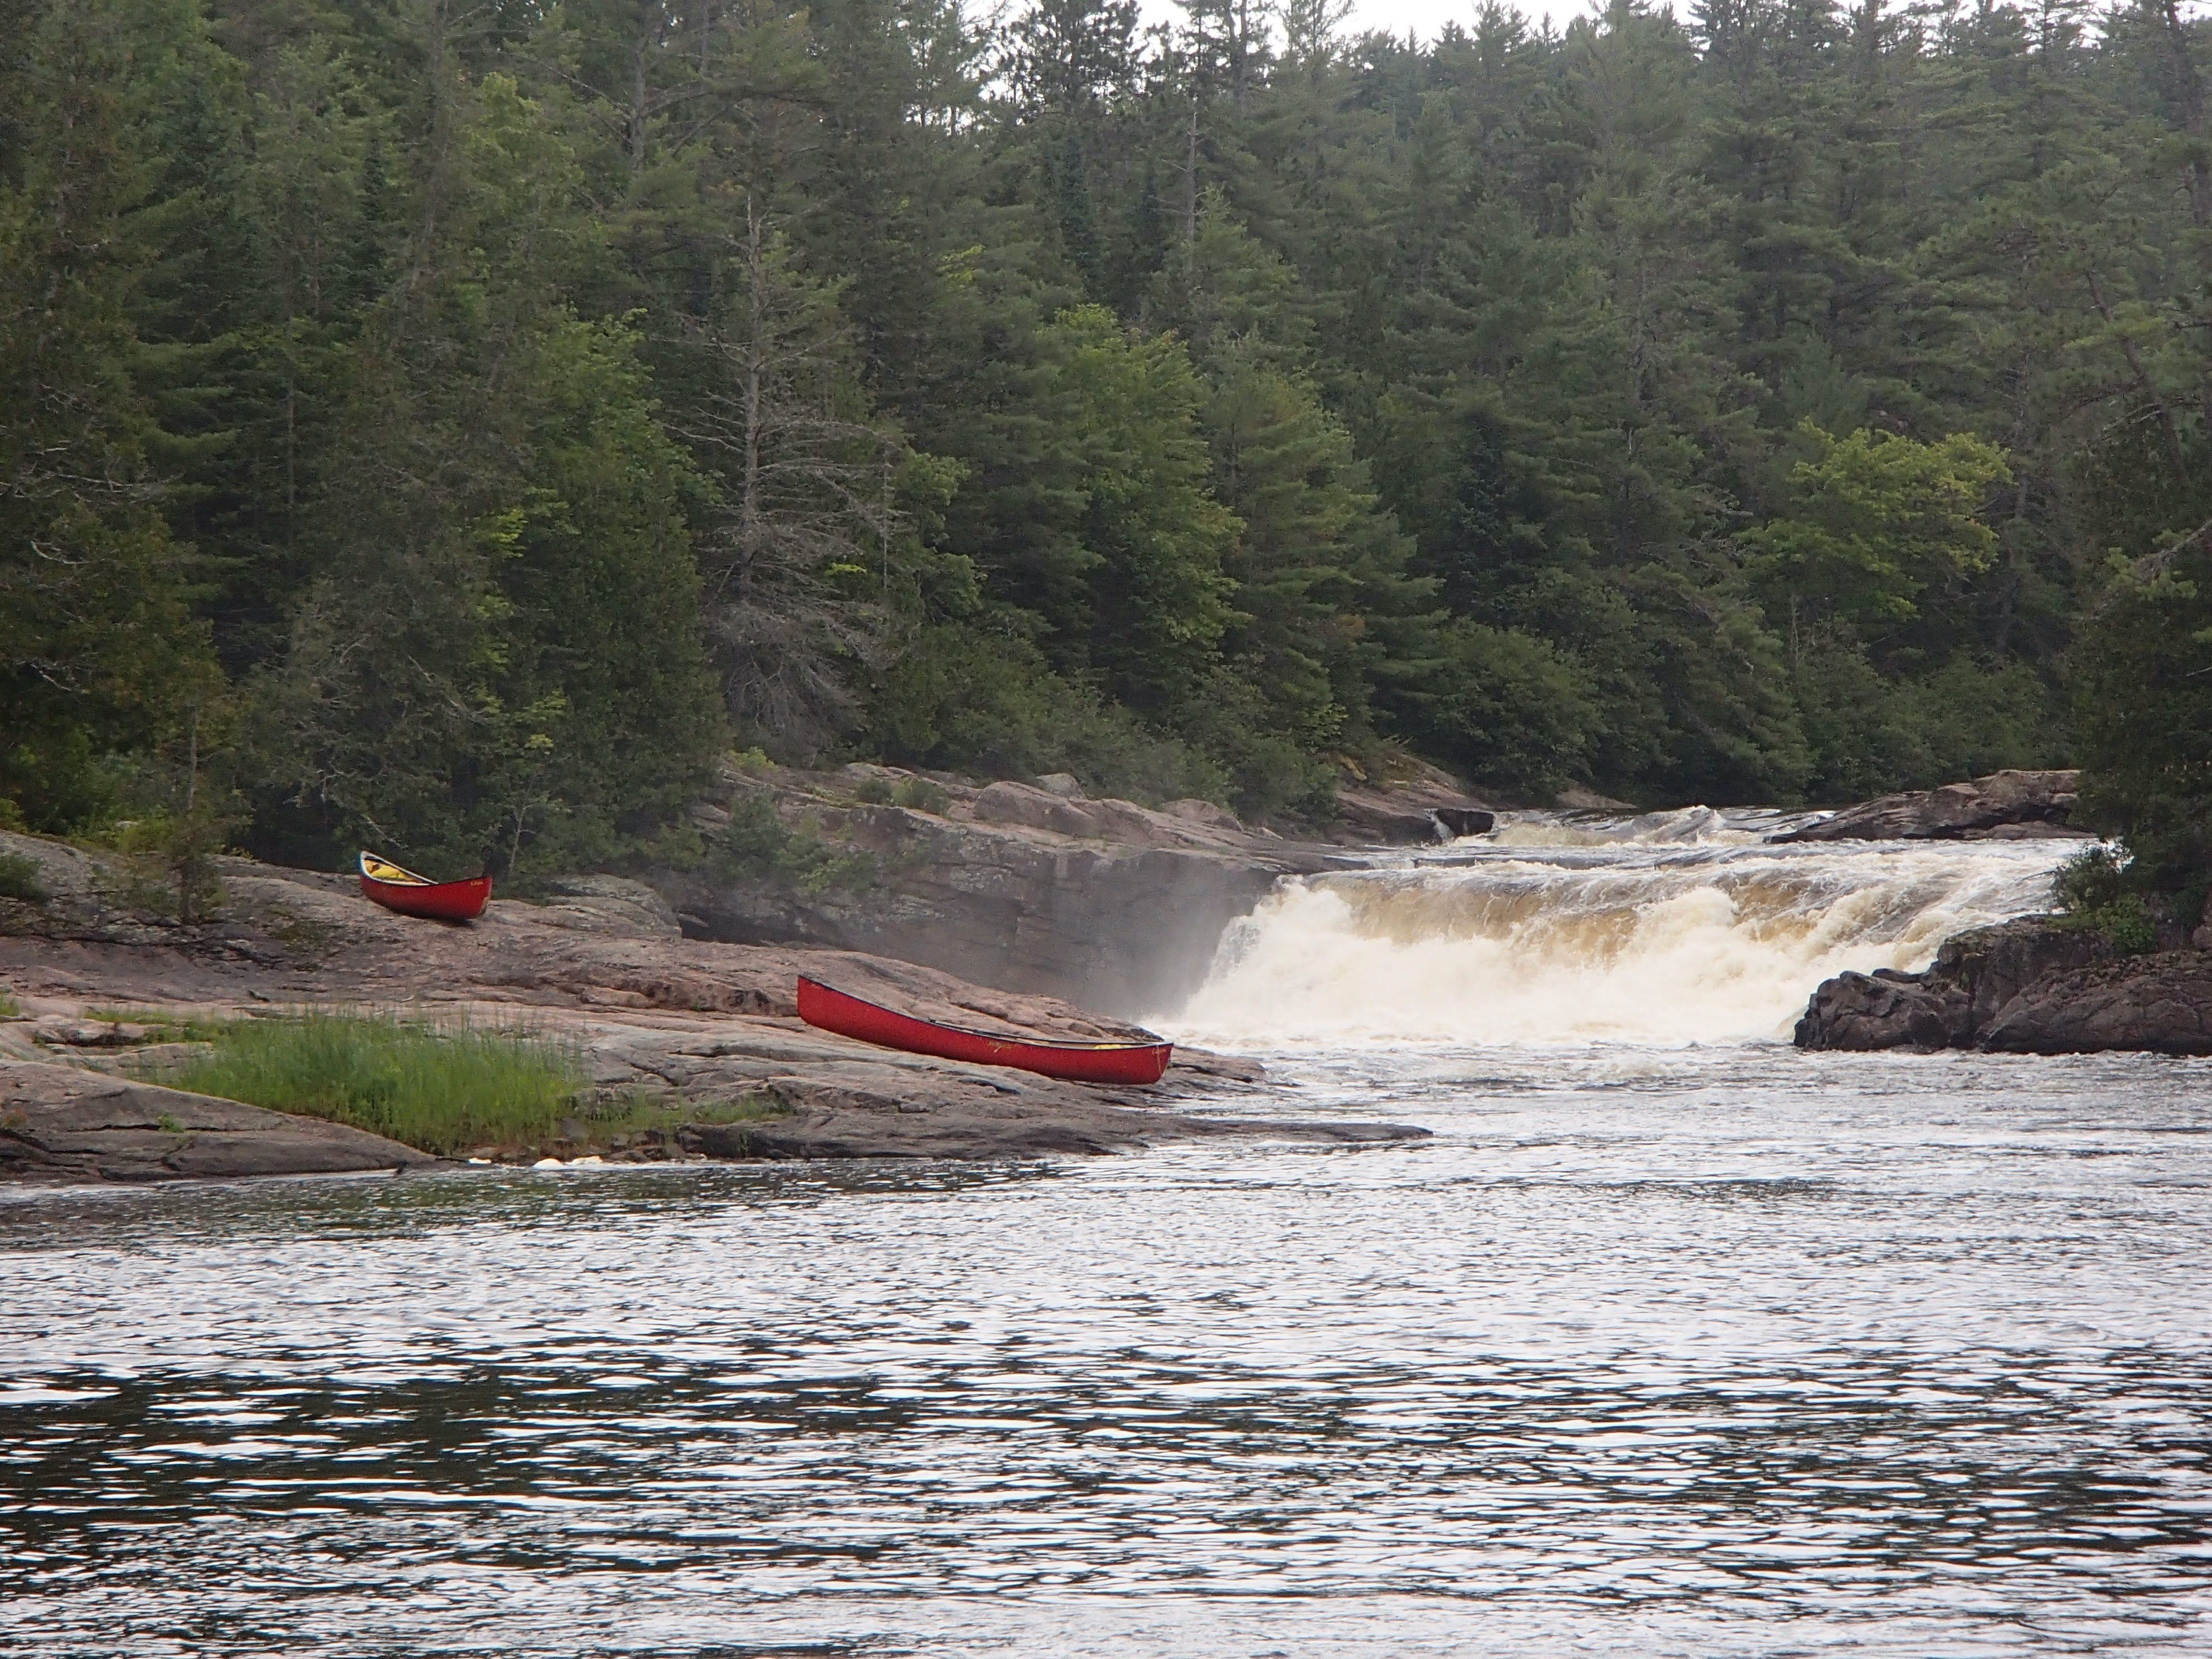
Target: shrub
{"x": 174, "y": 856}
{"x": 443, "y": 1087}
{"x": 756, "y": 845}
{"x": 161, "y": 1026}
{"x": 920, "y": 795}
{"x": 875, "y": 792}
{"x": 2095, "y": 894}
{"x": 19, "y": 879}
{"x": 2092, "y": 879}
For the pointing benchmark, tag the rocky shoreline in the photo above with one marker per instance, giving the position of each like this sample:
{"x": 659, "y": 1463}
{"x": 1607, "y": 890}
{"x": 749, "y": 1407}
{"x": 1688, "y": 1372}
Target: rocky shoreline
{"x": 2031, "y": 985}
{"x": 2034, "y": 985}
{"x": 680, "y": 988}
{"x": 700, "y": 1023}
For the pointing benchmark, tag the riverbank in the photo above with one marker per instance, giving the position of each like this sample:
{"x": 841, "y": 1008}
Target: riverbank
{"x": 699, "y": 1028}
{"x": 2030, "y": 986}
{"x": 2035, "y": 984}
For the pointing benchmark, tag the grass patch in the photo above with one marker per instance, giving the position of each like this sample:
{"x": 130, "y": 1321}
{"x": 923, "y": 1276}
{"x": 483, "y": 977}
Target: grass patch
{"x": 162, "y": 1026}
{"x": 9, "y": 1008}
{"x": 443, "y": 1087}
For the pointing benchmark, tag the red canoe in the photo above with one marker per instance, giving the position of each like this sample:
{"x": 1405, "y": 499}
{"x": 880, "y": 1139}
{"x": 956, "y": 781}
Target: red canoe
{"x": 411, "y": 895}
{"x": 1078, "y": 1062}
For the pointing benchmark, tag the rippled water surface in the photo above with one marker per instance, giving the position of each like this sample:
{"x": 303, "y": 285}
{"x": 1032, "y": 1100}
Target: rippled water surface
{"x": 1703, "y": 1352}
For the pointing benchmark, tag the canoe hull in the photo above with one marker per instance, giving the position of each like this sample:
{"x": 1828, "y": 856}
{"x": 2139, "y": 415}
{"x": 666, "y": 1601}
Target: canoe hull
{"x": 832, "y": 1009}
{"x": 440, "y": 901}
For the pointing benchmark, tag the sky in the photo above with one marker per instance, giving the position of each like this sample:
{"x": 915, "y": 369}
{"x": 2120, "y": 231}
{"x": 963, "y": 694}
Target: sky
{"x": 1423, "y": 17}
{"x": 1426, "y": 17}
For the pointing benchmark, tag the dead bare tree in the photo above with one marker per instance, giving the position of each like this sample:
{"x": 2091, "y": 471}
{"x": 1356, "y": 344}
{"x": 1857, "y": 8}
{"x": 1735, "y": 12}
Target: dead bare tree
{"x": 807, "y": 519}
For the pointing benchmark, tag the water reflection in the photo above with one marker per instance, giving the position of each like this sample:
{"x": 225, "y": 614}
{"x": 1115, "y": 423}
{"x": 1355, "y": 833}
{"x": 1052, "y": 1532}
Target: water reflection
{"x": 1657, "y": 1353}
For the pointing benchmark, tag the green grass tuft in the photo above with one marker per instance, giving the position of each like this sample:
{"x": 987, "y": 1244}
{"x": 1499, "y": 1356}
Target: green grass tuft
{"x": 9, "y": 1008}
{"x": 443, "y": 1088}
{"x": 161, "y": 1026}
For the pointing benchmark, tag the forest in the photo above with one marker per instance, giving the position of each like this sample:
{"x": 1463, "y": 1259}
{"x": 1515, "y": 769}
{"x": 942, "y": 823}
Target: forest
{"x": 455, "y": 424}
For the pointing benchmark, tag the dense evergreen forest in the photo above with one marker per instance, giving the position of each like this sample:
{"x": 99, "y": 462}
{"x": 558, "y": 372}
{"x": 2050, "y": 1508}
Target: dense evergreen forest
{"x": 454, "y": 423}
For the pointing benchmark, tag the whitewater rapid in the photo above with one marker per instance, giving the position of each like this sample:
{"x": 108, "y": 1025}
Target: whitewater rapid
{"x": 1665, "y": 929}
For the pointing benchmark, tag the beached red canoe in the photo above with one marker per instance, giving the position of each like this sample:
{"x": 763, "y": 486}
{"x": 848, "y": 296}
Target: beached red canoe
{"x": 411, "y": 895}
{"x": 1078, "y": 1062}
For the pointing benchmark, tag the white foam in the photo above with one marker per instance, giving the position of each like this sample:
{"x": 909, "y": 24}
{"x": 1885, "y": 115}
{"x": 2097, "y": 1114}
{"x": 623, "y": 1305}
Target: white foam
{"x": 1672, "y": 929}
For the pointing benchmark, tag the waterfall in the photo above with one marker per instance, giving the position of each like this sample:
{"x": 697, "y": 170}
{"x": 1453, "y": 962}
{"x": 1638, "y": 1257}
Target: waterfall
{"x": 1668, "y": 928}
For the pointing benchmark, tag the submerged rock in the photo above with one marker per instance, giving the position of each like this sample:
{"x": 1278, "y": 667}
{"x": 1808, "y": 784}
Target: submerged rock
{"x": 2004, "y": 805}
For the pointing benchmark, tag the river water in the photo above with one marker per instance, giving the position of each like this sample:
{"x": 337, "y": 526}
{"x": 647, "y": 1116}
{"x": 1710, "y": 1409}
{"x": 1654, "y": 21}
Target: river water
{"x": 1671, "y": 1341}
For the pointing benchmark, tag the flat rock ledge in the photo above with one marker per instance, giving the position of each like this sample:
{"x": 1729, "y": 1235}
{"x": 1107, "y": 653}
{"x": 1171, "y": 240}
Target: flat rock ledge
{"x": 2011, "y": 806}
{"x": 2025, "y": 987}
{"x": 66, "y": 1123}
{"x": 704, "y": 1031}
{"x": 829, "y": 1097}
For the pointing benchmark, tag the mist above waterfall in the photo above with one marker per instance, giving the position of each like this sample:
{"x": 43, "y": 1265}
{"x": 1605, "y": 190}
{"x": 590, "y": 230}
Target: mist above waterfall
{"x": 1667, "y": 928}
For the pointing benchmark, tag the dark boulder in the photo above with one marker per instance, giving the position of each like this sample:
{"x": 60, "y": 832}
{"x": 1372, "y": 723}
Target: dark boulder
{"x": 2161, "y": 1003}
{"x": 2007, "y": 986}
{"x": 1884, "y": 1010}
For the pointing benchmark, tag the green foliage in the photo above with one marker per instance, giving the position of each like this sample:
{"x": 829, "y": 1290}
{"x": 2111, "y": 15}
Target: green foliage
{"x": 757, "y": 846}
{"x": 2092, "y": 879}
{"x": 9, "y": 1008}
{"x": 444, "y": 1087}
{"x": 172, "y": 856}
{"x": 449, "y": 436}
{"x": 96, "y": 632}
{"x": 1324, "y": 610}
{"x": 1511, "y": 708}
{"x": 1144, "y": 600}
{"x": 159, "y": 1025}
{"x": 2095, "y": 893}
{"x": 2143, "y": 704}
{"x": 19, "y": 879}
{"x": 1867, "y": 731}
{"x": 1877, "y": 522}
{"x": 961, "y": 699}
{"x": 540, "y": 695}
{"x": 920, "y": 795}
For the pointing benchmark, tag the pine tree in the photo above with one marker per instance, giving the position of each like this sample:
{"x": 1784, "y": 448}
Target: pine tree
{"x": 99, "y": 652}
{"x": 504, "y": 658}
